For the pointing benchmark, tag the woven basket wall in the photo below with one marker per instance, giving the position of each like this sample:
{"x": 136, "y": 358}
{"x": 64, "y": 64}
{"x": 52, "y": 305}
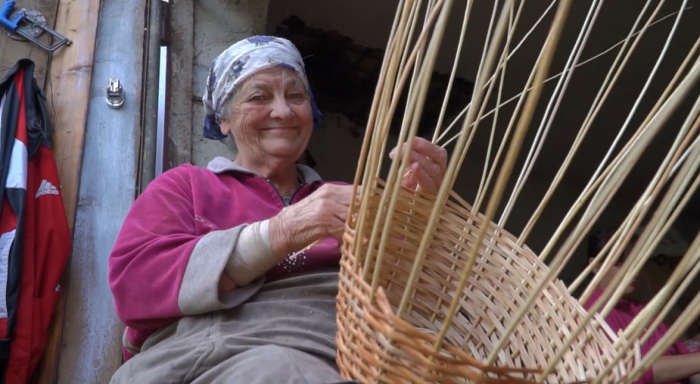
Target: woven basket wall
{"x": 376, "y": 346}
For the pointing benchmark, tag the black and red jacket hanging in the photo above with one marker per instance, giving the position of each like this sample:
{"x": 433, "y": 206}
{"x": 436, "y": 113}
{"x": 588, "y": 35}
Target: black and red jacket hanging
{"x": 34, "y": 235}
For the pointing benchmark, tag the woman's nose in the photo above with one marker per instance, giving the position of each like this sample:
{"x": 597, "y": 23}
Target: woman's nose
{"x": 281, "y": 109}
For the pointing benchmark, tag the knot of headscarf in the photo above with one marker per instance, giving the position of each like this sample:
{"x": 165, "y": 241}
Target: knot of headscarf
{"x": 239, "y": 62}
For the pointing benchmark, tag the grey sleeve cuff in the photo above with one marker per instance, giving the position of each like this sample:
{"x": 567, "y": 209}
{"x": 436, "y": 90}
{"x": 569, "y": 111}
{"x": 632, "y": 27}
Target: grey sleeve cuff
{"x": 252, "y": 256}
{"x": 199, "y": 291}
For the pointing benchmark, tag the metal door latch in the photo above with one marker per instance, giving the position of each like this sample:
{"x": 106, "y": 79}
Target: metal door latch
{"x": 115, "y": 94}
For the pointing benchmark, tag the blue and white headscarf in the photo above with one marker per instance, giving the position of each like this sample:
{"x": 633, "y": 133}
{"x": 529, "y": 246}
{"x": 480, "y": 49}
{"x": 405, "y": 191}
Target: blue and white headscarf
{"x": 237, "y": 63}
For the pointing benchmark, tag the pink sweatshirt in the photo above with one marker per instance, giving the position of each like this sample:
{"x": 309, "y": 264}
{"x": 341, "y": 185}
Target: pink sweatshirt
{"x": 622, "y": 315}
{"x": 178, "y": 236}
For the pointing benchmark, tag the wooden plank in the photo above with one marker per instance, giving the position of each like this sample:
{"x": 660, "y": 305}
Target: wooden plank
{"x": 178, "y": 135}
{"x": 90, "y": 346}
{"x": 13, "y": 50}
{"x": 68, "y": 92}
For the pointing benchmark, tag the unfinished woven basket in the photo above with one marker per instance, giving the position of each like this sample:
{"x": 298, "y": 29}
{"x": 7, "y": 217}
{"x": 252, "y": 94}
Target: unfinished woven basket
{"x": 433, "y": 290}
{"x": 374, "y": 345}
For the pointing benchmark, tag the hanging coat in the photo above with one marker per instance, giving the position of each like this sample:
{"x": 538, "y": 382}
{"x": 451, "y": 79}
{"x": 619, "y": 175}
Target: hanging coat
{"x": 34, "y": 233}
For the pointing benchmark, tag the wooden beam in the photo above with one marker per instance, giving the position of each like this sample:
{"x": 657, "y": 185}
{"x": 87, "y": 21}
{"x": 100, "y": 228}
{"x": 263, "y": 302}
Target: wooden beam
{"x": 90, "y": 349}
{"x": 68, "y": 92}
{"x": 13, "y": 50}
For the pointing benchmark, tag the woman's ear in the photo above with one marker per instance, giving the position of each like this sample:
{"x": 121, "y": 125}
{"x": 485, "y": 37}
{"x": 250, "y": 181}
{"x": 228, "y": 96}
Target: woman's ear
{"x": 225, "y": 126}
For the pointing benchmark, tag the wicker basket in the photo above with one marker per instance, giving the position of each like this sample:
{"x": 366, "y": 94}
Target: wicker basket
{"x": 374, "y": 345}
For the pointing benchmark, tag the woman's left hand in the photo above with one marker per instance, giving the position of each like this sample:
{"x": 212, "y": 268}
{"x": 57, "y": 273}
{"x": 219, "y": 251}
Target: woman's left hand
{"x": 426, "y": 166}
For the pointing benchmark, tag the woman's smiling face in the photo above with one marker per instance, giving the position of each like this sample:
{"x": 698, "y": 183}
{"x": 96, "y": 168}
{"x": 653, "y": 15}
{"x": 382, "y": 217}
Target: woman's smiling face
{"x": 270, "y": 116}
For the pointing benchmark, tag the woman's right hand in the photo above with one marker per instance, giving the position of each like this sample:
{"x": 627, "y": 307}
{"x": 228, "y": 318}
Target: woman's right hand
{"x": 319, "y": 216}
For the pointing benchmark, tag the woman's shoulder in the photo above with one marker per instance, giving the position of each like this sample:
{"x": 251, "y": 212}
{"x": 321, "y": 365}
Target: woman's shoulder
{"x": 210, "y": 177}
{"x": 179, "y": 174}
{"x": 179, "y": 178}
{"x": 189, "y": 171}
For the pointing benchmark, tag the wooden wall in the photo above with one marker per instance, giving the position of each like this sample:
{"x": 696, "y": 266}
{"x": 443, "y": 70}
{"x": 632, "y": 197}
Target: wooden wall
{"x": 90, "y": 350}
{"x": 66, "y": 76}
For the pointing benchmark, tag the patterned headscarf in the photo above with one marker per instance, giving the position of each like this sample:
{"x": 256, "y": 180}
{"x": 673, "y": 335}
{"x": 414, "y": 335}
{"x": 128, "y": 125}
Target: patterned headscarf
{"x": 237, "y": 63}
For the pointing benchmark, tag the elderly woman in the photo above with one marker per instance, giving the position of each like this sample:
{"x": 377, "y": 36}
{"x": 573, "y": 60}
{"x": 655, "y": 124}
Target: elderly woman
{"x": 205, "y": 273}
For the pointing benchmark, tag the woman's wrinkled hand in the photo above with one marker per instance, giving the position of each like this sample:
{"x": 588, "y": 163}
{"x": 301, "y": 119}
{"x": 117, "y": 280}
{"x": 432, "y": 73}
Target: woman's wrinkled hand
{"x": 426, "y": 166}
{"x": 319, "y": 216}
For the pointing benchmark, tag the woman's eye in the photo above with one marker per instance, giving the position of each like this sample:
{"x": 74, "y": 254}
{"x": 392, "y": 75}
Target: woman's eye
{"x": 297, "y": 95}
{"x": 257, "y": 97}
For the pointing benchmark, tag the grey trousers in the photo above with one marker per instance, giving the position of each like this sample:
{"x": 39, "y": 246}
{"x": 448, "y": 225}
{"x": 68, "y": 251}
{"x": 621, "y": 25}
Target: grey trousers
{"x": 272, "y": 364}
{"x": 284, "y": 334}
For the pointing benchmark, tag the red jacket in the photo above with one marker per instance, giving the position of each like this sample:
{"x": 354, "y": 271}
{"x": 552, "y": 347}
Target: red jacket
{"x": 34, "y": 233}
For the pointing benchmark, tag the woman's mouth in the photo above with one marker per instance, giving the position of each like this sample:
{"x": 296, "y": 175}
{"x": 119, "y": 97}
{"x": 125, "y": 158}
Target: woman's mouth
{"x": 279, "y": 128}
